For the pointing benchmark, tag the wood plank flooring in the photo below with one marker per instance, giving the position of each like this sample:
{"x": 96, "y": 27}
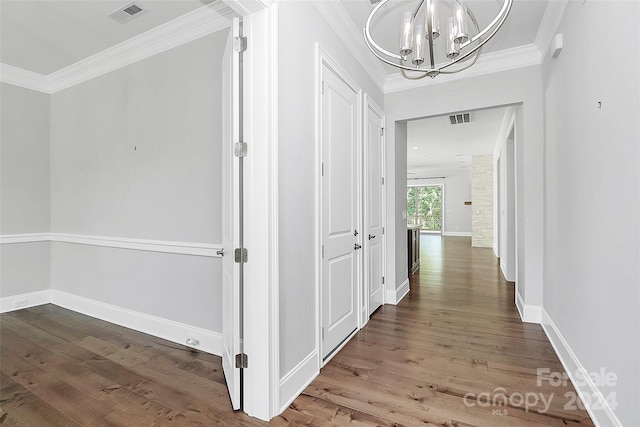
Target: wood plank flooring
{"x": 453, "y": 353}
{"x": 453, "y": 345}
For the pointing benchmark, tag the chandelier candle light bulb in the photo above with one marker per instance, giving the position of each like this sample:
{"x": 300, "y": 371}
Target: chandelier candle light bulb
{"x": 461, "y": 46}
{"x": 460, "y": 23}
{"x": 406, "y": 43}
{"x": 453, "y": 47}
{"x": 418, "y": 51}
{"x": 433, "y": 14}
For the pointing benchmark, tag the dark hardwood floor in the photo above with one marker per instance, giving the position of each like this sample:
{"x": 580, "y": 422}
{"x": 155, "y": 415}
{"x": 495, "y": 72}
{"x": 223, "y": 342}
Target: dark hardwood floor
{"x": 453, "y": 353}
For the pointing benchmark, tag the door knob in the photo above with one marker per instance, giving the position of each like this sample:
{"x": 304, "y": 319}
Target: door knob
{"x": 356, "y": 246}
{"x": 372, "y": 236}
{"x": 355, "y": 232}
{"x": 220, "y": 252}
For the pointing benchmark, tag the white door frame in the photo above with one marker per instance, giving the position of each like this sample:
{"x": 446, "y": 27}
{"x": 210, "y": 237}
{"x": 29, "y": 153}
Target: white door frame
{"x": 260, "y": 379}
{"x": 370, "y": 105}
{"x": 324, "y": 59}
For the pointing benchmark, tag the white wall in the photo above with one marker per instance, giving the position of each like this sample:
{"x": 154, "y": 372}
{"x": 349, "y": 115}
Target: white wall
{"x": 135, "y": 154}
{"x": 456, "y": 191}
{"x": 592, "y": 209}
{"x": 521, "y": 87}
{"x": 482, "y": 199}
{"x": 24, "y": 189}
{"x": 300, "y": 26}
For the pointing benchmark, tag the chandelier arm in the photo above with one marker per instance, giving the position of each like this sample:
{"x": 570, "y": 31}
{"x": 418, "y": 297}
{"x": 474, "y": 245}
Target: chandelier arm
{"x": 404, "y": 74}
{"x": 430, "y": 34}
{"x": 415, "y": 12}
{"x": 500, "y": 17}
{"x": 475, "y": 59}
{"x": 371, "y": 42}
{"x": 475, "y": 38}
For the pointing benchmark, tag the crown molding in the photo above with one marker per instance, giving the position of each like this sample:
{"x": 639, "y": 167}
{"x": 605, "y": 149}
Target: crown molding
{"x": 551, "y": 18}
{"x": 23, "y": 78}
{"x": 347, "y": 30}
{"x": 247, "y": 7}
{"x": 191, "y": 26}
{"x": 184, "y": 29}
{"x": 492, "y": 62}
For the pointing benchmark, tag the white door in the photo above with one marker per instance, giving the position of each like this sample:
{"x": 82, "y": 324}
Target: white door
{"x": 341, "y": 237}
{"x": 231, "y": 225}
{"x": 374, "y": 216}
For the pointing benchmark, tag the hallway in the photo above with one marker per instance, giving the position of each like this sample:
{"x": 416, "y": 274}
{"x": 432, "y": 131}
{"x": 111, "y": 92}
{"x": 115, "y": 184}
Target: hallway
{"x": 454, "y": 345}
{"x": 450, "y": 348}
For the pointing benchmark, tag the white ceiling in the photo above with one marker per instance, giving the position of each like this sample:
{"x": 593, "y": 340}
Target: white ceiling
{"x": 435, "y": 148}
{"x": 48, "y": 35}
{"x": 45, "y": 36}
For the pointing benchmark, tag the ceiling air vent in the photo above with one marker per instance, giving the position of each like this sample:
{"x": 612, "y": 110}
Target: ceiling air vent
{"x": 127, "y": 12}
{"x": 457, "y": 119}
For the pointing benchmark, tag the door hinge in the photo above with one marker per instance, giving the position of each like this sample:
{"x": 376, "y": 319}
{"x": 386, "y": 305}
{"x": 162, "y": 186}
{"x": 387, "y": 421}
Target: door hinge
{"x": 383, "y": 280}
{"x": 242, "y": 361}
{"x": 323, "y": 333}
{"x": 323, "y": 87}
{"x": 381, "y": 131}
{"x": 382, "y": 180}
{"x": 382, "y": 230}
{"x": 241, "y": 255}
{"x": 322, "y": 251}
{"x": 240, "y": 44}
{"x": 240, "y": 149}
{"x": 322, "y": 169}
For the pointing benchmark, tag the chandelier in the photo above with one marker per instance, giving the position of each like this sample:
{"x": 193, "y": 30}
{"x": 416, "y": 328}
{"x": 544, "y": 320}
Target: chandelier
{"x": 419, "y": 30}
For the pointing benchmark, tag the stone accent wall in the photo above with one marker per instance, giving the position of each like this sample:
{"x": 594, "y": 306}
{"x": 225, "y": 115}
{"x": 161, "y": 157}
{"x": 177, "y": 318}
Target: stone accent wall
{"x": 482, "y": 201}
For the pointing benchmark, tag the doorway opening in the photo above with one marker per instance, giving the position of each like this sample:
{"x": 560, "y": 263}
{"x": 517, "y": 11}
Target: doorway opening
{"x": 424, "y": 208}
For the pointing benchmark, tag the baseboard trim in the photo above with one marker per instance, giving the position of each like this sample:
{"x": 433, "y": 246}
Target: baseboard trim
{"x": 528, "y": 313}
{"x": 209, "y": 341}
{"x": 596, "y": 405}
{"x": 297, "y": 379}
{"x": 394, "y": 296}
{"x": 26, "y": 300}
{"x": 457, "y": 234}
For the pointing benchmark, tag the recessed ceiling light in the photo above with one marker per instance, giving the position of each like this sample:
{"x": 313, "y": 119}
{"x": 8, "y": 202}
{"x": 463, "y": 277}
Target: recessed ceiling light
{"x": 416, "y": 147}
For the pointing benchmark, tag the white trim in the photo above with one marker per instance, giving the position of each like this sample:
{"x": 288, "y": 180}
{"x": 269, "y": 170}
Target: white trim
{"x": 184, "y": 29}
{"x": 297, "y": 379}
{"x": 23, "y": 78}
{"x": 595, "y": 403}
{"x": 260, "y": 379}
{"x": 181, "y": 248}
{"x": 210, "y": 341}
{"x": 342, "y": 23}
{"x": 394, "y": 296}
{"x": 528, "y": 313}
{"x": 549, "y": 24}
{"x": 456, "y": 233}
{"x": 30, "y": 299}
{"x": 8, "y": 239}
{"x": 493, "y": 62}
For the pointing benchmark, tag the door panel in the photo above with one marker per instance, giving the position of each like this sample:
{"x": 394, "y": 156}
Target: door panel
{"x": 340, "y": 263}
{"x": 231, "y": 192}
{"x": 374, "y": 215}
